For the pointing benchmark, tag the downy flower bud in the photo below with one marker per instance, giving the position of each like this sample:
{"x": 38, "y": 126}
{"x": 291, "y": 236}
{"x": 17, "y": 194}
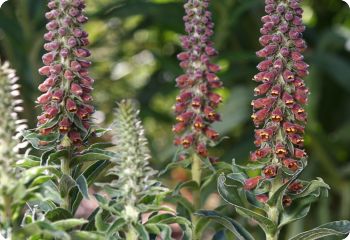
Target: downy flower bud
{"x": 10, "y": 143}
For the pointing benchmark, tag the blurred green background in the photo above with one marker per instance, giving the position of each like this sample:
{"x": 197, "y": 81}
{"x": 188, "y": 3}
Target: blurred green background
{"x": 134, "y": 45}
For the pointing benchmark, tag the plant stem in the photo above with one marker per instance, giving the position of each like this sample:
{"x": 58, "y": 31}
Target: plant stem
{"x": 273, "y": 212}
{"x": 65, "y": 168}
{"x": 197, "y": 177}
{"x": 131, "y": 234}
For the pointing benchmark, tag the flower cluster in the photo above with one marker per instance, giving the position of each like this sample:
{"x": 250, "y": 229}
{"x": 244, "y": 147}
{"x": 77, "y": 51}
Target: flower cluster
{"x": 10, "y": 125}
{"x": 197, "y": 101}
{"x": 67, "y": 89}
{"x": 131, "y": 165}
{"x": 10, "y": 144}
{"x": 278, "y": 112}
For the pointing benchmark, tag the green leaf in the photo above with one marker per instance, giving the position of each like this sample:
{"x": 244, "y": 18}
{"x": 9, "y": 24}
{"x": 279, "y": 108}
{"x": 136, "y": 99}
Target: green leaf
{"x": 165, "y": 231}
{"x": 233, "y": 197}
{"x": 312, "y": 187}
{"x": 82, "y": 185}
{"x": 85, "y": 235}
{"x": 41, "y": 142}
{"x": 116, "y": 226}
{"x": 40, "y": 180}
{"x": 240, "y": 232}
{"x": 67, "y": 224}
{"x": 28, "y": 162}
{"x": 181, "y": 201}
{"x": 90, "y": 174}
{"x": 188, "y": 184}
{"x": 338, "y": 228}
{"x": 100, "y": 224}
{"x": 66, "y": 184}
{"x": 92, "y": 156}
{"x": 58, "y": 214}
{"x": 142, "y": 232}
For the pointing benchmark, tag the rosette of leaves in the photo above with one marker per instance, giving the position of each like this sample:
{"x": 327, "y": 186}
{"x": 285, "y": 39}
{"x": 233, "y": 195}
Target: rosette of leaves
{"x": 18, "y": 185}
{"x": 134, "y": 192}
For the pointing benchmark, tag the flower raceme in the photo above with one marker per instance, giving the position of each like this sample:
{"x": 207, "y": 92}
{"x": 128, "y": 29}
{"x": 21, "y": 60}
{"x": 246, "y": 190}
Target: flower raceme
{"x": 197, "y": 101}
{"x": 67, "y": 89}
{"x": 278, "y": 111}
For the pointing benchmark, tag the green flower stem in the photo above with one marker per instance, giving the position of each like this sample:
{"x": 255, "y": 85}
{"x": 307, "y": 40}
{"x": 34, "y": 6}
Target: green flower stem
{"x": 273, "y": 213}
{"x": 197, "y": 177}
{"x": 131, "y": 234}
{"x": 65, "y": 167}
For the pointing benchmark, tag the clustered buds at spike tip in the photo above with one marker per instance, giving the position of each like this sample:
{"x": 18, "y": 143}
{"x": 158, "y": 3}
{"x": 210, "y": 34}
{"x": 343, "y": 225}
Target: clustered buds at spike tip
{"x": 66, "y": 98}
{"x": 278, "y": 112}
{"x": 135, "y": 176}
{"x": 10, "y": 128}
{"x": 197, "y": 102}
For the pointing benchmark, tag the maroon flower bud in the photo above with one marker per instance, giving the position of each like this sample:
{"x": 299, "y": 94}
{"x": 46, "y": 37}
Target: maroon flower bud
{"x": 76, "y": 89}
{"x": 259, "y": 154}
{"x": 264, "y": 65}
{"x": 64, "y": 125}
{"x": 295, "y": 186}
{"x": 75, "y": 66}
{"x": 211, "y": 134}
{"x": 287, "y": 201}
{"x": 185, "y": 117}
{"x": 262, "y": 89}
{"x": 202, "y": 150}
{"x": 183, "y": 56}
{"x": 46, "y": 131}
{"x": 277, "y": 115}
{"x": 251, "y": 183}
{"x": 259, "y": 116}
{"x": 82, "y": 113}
{"x": 291, "y": 164}
{"x": 270, "y": 171}
{"x": 263, "y": 198}
{"x": 263, "y": 102}
{"x": 82, "y": 53}
{"x": 71, "y": 105}
{"x": 198, "y": 123}
{"x": 45, "y": 98}
{"x": 187, "y": 141}
{"x": 280, "y": 150}
{"x": 48, "y": 58}
{"x": 58, "y": 95}
{"x": 51, "y": 112}
{"x": 75, "y": 137}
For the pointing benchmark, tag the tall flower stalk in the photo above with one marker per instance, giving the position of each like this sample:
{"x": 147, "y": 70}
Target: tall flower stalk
{"x": 197, "y": 102}
{"x": 134, "y": 192}
{"x": 277, "y": 196}
{"x": 66, "y": 97}
{"x": 10, "y": 144}
{"x": 279, "y": 113}
{"x": 65, "y": 121}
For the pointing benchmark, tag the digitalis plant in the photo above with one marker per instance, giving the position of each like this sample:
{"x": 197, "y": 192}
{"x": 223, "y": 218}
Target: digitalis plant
{"x": 17, "y": 185}
{"x": 277, "y": 197}
{"x": 133, "y": 208}
{"x": 197, "y": 102}
{"x": 64, "y": 127}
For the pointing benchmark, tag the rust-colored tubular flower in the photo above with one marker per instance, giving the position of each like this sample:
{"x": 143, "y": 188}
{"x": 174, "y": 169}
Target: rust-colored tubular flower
{"x": 278, "y": 111}
{"x": 66, "y": 97}
{"x": 197, "y": 102}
